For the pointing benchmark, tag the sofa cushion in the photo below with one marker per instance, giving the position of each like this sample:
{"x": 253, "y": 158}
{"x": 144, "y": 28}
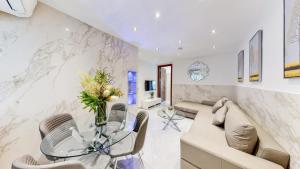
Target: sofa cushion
{"x": 267, "y": 148}
{"x": 219, "y": 116}
{"x": 220, "y": 103}
{"x": 214, "y": 153}
{"x": 240, "y": 133}
{"x": 208, "y": 102}
{"x": 186, "y": 106}
{"x": 271, "y": 154}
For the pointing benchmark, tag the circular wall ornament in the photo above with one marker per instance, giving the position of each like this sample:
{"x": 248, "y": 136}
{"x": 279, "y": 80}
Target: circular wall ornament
{"x": 198, "y": 71}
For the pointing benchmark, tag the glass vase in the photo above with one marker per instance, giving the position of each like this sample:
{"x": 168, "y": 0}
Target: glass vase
{"x": 100, "y": 115}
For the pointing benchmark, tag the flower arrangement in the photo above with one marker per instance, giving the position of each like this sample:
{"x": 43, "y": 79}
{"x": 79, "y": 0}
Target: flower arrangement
{"x": 97, "y": 91}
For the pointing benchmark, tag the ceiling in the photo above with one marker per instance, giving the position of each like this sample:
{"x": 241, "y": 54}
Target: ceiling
{"x": 190, "y": 21}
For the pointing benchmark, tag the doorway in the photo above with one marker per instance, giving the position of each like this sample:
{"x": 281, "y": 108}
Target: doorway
{"x": 165, "y": 83}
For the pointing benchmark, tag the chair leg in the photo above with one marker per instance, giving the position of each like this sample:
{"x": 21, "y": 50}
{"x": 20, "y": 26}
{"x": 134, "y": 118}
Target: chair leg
{"x": 141, "y": 160}
{"x": 111, "y": 162}
{"x": 116, "y": 164}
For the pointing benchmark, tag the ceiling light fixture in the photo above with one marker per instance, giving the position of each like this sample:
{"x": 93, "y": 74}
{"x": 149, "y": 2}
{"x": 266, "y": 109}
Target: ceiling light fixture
{"x": 213, "y": 31}
{"x": 67, "y": 29}
{"x": 157, "y": 15}
{"x": 214, "y": 46}
{"x": 134, "y": 29}
{"x": 157, "y": 49}
{"x": 180, "y": 45}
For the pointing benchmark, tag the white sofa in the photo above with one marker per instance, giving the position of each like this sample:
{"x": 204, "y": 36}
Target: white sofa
{"x": 204, "y": 146}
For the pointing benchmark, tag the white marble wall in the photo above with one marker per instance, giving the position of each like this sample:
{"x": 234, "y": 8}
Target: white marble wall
{"x": 40, "y": 58}
{"x": 198, "y": 93}
{"x": 278, "y": 113}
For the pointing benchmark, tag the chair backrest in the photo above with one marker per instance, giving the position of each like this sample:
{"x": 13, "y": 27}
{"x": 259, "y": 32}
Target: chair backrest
{"x": 118, "y": 113}
{"x": 140, "y": 128}
{"x": 53, "y": 122}
{"x": 28, "y": 162}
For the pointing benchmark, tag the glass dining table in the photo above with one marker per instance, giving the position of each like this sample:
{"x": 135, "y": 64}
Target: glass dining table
{"x": 66, "y": 141}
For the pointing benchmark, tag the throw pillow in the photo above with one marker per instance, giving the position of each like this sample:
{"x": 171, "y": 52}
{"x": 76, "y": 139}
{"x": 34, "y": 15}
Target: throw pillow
{"x": 240, "y": 133}
{"x": 220, "y": 103}
{"x": 219, "y": 116}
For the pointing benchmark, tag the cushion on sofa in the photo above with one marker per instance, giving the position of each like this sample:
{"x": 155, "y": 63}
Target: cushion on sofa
{"x": 214, "y": 153}
{"x": 219, "y": 116}
{"x": 240, "y": 133}
{"x": 220, "y": 103}
{"x": 267, "y": 148}
{"x": 208, "y": 102}
{"x": 187, "y": 106}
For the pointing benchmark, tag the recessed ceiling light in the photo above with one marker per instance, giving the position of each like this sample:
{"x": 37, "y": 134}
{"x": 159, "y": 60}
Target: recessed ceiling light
{"x": 180, "y": 42}
{"x": 134, "y": 29}
{"x": 214, "y": 46}
{"x": 156, "y": 49}
{"x": 157, "y": 15}
{"x": 213, "y": 31}
{"x": 67, "y": 29}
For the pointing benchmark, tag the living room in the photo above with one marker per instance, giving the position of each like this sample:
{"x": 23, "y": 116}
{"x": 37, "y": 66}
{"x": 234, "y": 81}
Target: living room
{"x": 200, "y": 84}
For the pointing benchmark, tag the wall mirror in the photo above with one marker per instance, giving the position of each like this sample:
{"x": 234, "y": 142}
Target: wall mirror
{"x": 198, "y": 71}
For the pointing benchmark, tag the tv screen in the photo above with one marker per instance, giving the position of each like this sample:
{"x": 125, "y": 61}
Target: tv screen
{"x": 150, "y": 85}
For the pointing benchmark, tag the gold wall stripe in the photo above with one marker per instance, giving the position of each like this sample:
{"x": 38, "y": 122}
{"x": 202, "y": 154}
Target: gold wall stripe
{"x": 254, "y": 78}
{"x": 292, "y": 64}
{"x": 292, "y": 73}
{"x": 254, "y": 75}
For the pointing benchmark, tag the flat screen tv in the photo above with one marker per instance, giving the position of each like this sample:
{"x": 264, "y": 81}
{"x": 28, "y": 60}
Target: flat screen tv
{"x": 150, "y": 85}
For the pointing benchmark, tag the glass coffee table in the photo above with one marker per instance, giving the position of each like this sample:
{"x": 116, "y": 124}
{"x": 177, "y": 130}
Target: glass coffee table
{"x": 171, "y": 116}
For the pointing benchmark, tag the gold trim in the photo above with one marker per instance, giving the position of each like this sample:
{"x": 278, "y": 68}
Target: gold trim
{"x": 254, "y": 78}
{"x": 254, "y": 75}
{"x": 292, "y": 73}
{"x": 292, "y": 64}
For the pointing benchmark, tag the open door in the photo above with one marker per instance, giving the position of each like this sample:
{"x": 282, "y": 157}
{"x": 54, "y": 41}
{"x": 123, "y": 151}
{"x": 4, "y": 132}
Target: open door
{"x": 165, "y": 82}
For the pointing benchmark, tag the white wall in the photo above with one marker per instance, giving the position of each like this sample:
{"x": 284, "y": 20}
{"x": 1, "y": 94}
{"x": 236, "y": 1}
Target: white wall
{"x": 271, "y": 22}
{"x": 146, "y": 71}
{"x": 221, "y": 70}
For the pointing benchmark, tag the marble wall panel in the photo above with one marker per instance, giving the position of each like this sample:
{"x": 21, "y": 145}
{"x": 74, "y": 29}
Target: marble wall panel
{"x": 278, "y": 113}
{"x": 40, "y": 60}
{"x": 197, "y": 93}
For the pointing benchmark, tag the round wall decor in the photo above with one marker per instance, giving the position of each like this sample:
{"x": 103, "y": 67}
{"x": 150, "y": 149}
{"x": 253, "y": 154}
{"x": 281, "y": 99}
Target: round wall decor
{"x": 198, "y": 71}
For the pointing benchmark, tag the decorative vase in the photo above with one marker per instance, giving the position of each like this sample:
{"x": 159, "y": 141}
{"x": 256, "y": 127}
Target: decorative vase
{"x": 100, "y": 115}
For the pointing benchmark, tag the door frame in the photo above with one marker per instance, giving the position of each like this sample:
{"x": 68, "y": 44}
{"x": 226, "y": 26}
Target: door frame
{"x": 159, "y": 78}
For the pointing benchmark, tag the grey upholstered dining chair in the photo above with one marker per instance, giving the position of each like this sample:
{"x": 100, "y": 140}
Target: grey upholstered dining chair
{"x": 132, "y": 144}
{"x": 53, "y": 122}
{"x": 48, "y": 126}
{"x": 28, "y": 162}
{"x": 118, "y": 115}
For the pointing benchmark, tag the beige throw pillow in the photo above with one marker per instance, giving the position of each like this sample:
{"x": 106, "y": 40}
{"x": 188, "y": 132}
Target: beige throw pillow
{"x": 220, "y": 103}
{"x": 219, "y": 116}
{"x": 240, "y": 133}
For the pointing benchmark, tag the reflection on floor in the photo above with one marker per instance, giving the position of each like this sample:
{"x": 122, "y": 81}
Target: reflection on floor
{"x": 161, "y": 149}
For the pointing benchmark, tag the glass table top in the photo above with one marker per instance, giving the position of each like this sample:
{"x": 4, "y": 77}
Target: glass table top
{"x": 66, "y": 141}
{"x": 168, "y": 112}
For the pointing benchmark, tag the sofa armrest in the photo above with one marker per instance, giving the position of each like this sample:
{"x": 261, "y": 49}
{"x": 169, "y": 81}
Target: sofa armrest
{"x": 208, "y": 102}
{"x": 208, "y": 153}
